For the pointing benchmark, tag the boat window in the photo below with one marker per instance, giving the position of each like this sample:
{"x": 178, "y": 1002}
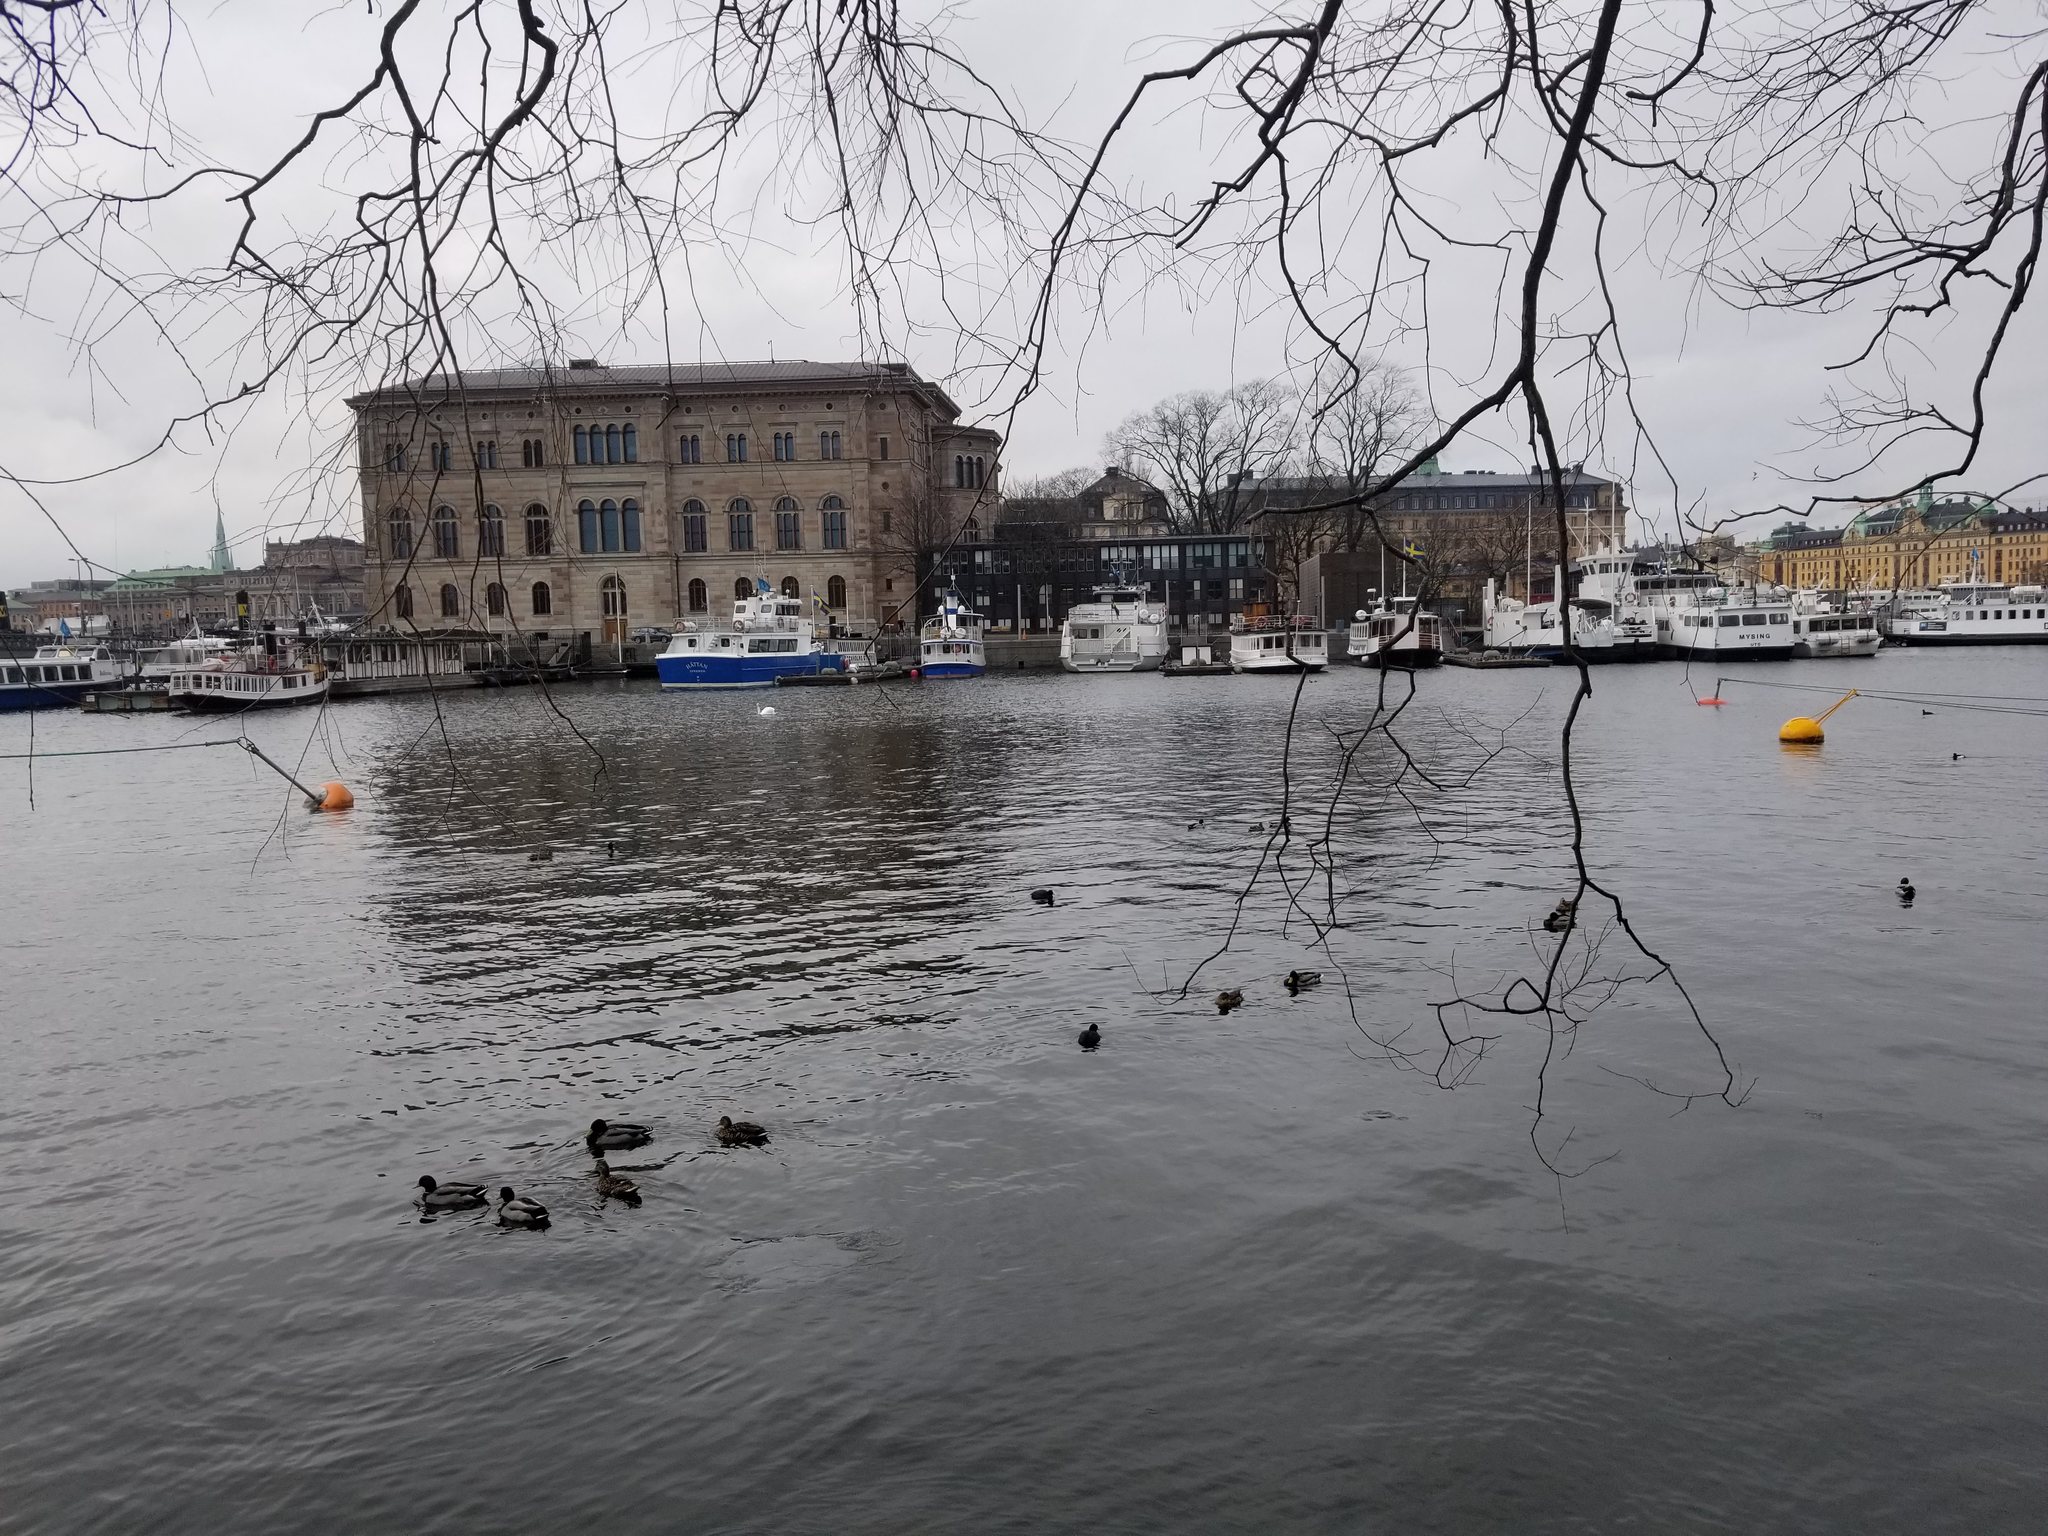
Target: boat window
{"x": 1730, "y": 620}
{"x": 1777, "y": 618}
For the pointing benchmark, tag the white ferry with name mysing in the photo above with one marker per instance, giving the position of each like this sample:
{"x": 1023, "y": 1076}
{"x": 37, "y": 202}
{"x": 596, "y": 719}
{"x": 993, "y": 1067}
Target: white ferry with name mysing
{"x": 769, "y": 637}
{"x": 1696, "y": 617}
{"x": 55, "y": 676}
{"x": 950, "y": 643}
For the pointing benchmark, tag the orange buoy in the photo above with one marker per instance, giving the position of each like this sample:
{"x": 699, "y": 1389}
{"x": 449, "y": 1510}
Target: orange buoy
{"x": 1716, "y": 703}
{"x": 334, "y": 797}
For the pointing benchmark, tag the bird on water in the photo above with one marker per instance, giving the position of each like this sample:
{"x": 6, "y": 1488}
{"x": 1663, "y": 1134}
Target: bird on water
{"x": 436, "y": 1196}
{"x": 1043, "y": 895}
{"x": 1298, "y": 980}
{"x": 1090, "y": 1038}
{"x": 1561, "y": 917}
{"x": 516, "y": 1212}
{"x": 1906, "y": 891}
{"x": 739, "y": 1133}
{"x": 605, "y": 1134}
{"x": 1225, "y": 1001}
{"x": 613, "y": 1187}
{"x": 545, "y": 856}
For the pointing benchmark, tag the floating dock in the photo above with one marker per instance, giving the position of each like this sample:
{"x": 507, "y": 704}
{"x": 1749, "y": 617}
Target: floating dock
{"x": 1486, "y": 663}
{"x": 126, "y": 701}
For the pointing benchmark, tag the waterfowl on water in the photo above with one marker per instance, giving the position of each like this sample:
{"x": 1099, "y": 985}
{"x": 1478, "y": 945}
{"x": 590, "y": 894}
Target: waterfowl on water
{"x": 1296, "y": 980}
{"x": 605, "y": 1134}
{"x": 543, "y": 857}
{"x": 738, "y": 1132}
{"x": 516, "y": 1212}
{"x": 1043, "y": 895}
{"x": 1090, "y": 1038}
{"x": 436, "y": 1196}
{"x": 1906, "y": 891}
{"x": 612, "y": 1187}
{"x": 1225, "y": 1001}
{"x": 1561, "y": 918}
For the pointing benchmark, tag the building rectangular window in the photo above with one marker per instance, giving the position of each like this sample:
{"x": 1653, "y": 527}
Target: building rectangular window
{"x": 789, "y": 530}
{"x": 740, "y": 530}
{"x": 695, "y": 540}
{"x": 835, "y": 528}
{"x": 882, "y": 447}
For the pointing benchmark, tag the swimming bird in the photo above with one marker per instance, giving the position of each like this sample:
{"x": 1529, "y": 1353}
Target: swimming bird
{"x": 1090, "y": 1038}
{"x": 1196, "y": 824}
{"x": 1296, "y": 980}
{"x": 604, "y": 1134}
{"x": 739, "y": 1133}
{"x": 1926, "y": 711}
{"x": 611, "y": 850}
{"x": 1258, "y": 826}
{"x": 1225, "y": 1001}
{"x": 436, "y": 1196}
{"x": 612, "y": 1187}
{"x": 1561, "y": 918}
{"x": 1955, "y": 757}
{"x": 1906, "y": 891}
{"x": 1043, "y": 895}
{"x": 515, "y": 1212}
{"x": 545, "y": 856}
{"x": 765, "y": 711}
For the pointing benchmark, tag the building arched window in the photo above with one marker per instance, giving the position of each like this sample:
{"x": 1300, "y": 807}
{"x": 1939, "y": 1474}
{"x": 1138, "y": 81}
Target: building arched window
{"x": 490, "y": 532}
{"x": 743, "y": 588}
{"x": 791, "y": 587}
{"x": 613, "y": 453}
{"x": 789, "y": 524}
{"x": 700, "y": 598}
{"x": 401, "y": 535}
{"x": 632, "y": 444}
{"x": 970, "y": 531}
{"x": 586, "y": 526}
{"x": 696, "y": 537}
{"x": 401, "y": 601}
{"x": 494, "y": 600}
{"x": 833, "y": 519}
{"x": 447, "y": 543}
{"x": 582, "y": 446}
{"x": 959, "y": 472}
{"x": 835, "y": 592}
{"x": 540, "y": 535}
{"x": 451, "y": 601}
{"x": 614, "y": 594}
{"x": 739, "y": 524}
{"x": 785, "y": 504}
{"x": 543, "y": 600}
{"x": 608, "y": 521}
{"x": 629, "y": 524}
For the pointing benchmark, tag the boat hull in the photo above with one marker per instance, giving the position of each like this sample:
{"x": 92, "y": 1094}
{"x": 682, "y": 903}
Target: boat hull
{"x": 226, "y": 703}
{"x": 687, "y": 673}
{"x": 1714, "y": 653}
{"x": 945, "y": 669}
{"x": 1952, "y": 637}
{"x": 1279, "y": 664}
{"x": 1112, "y": 663}
{"x": 23, "y": 696}
{"x": 1400, "y": 660}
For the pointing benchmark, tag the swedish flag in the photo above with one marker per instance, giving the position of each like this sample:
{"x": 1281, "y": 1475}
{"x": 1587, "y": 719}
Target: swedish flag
{"x": 1411, "y": 548}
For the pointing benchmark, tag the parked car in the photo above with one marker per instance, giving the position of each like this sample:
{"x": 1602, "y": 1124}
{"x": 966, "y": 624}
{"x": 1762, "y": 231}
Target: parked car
{"x": 647, "y": 634}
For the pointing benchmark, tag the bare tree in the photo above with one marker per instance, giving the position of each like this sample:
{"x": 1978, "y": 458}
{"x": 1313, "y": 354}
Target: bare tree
{"x": 1060, "y": 485}
{"x": 1203, "y": 445}
{"x": 1368, "y": 421}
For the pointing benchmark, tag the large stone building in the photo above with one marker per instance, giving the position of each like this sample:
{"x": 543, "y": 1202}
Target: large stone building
{"x": 1920, "y": 543}
{"x": 586, "y": 501}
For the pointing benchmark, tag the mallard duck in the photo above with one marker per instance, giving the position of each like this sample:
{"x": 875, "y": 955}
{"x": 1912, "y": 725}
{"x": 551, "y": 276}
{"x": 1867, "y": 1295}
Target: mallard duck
{"x": 543, "y": 857}
{"x": 1561, "y": 918}
{"x": 1225, "y": 1001}
{"x": 436, "y": 1196}
{"x": 1906, "y": 891}
{"x": 1296, "y": 980}
{"x": 612, "y": 1187}
{"x": 1043, "y": 895}
{"x": 515, "y": 1212}
{"x": 604, "y": 1134}
{"x": 736, "y": 1133}
{"x": 1090, "y": 1038}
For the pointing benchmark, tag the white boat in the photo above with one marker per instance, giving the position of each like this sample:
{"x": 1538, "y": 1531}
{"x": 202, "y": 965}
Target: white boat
{"x": 768, "y": 637}
{"x": 55, "y": 675}
{"x": 268, "y": 672}
{"x": 1118, "y": 632}
{"x": 1263, "y": 642}
{"x": 950, "y": 642}
{"x": 1696, "y": 617}
{"x": 1399, "y": 634}
{"x": 1610, "y": 621}
{"x": 194, "y": 650}
{"x": 1820, "y": 629}
{"x": 1967, "y": 613}
{"x": 1604, "y": 589}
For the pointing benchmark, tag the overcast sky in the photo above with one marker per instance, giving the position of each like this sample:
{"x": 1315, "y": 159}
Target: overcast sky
{"x": 1725, "y": 393}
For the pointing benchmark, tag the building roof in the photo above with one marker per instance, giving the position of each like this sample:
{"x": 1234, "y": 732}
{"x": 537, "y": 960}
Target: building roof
{"x": 1455, "y": 480}
{"x": 583, "y": 377}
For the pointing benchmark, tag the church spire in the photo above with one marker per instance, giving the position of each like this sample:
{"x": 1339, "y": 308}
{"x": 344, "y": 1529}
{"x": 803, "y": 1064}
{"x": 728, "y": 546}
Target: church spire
{"x": 221, "y": 560}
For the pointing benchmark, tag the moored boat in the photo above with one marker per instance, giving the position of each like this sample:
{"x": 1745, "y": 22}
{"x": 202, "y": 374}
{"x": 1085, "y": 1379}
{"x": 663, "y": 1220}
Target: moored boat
{"x": 1118, "y": 632}
{"x": 1400, "y": 633}
{"x": 55, "y": 676}
{"x": 768, "y": 637}
{"x": 1697, "y": 617}
{"x": 1967, "y": 613}
{"x": 1270, "y": 642}
{"x": 1820, "y": 629}
{"x": 950, "y": 642}
{"x": 268, "y": 672}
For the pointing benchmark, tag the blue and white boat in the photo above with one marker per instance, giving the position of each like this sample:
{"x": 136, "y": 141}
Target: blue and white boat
{"x": 769, "y": 637}
{"x": 950, "y": 641}
{"x": 55, "y": 676}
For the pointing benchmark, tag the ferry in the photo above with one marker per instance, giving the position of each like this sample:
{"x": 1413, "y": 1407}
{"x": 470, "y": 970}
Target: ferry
{"x": 1267, "y": 642}
{"x": 1696, "y": 617}
{"x": 1398, "y": 634}
{"x": 1606, "y": 591}
{"x": 56, "y": 675}
{"x": 1117, "y": 632}
{"x": 949, "y": 643}
{"x": 154, "y": 667}
{"x": 265, "y": 673}
{"x": 768, "y": 637}
{"x": 1967, "y": 613}
{"x": 1820, "y": 630}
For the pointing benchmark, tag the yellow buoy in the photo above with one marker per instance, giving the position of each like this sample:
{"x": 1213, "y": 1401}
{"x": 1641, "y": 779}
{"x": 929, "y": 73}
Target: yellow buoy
{"x": 1805, "y": 731}
{"x": 334, "y": 797}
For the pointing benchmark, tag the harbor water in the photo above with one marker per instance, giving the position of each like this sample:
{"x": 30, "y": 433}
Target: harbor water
{"x": 1255, "y": 1271}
